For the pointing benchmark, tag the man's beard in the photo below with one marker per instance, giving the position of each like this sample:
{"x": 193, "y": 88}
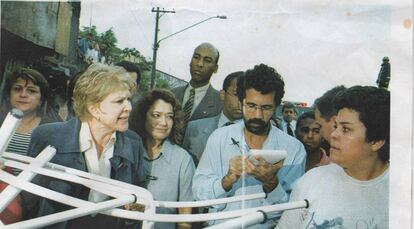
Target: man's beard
{"x": 257, "y": 126}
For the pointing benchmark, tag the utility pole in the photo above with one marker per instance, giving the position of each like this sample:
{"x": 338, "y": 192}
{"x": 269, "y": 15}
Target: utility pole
{"x": 156, "y": 45}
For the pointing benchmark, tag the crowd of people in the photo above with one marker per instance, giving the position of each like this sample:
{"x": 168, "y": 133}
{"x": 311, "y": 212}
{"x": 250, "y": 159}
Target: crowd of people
{"x": 193, "y": 143}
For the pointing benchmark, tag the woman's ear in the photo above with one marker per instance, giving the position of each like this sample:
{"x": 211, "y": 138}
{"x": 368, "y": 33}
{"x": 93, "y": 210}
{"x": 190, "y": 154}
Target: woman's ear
{"x": 376, "y": 145}
{"x": 94, "y": 111}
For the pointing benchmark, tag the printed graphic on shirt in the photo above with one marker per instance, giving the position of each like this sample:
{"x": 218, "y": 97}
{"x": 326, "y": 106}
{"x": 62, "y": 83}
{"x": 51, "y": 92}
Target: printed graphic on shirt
{"x": 338, "y": 223}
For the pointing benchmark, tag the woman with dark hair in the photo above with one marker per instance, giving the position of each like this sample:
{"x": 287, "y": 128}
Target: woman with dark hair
{"x": 27, "y": 90}
{"x": 351, "y": 192}
{"x": 169, "y": 168}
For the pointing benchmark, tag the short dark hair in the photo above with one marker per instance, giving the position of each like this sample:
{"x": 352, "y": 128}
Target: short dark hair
{"x": 289, "y": 105}
{"x": 211, "y": 47}
{"x": 325, "y": 103}
{"x": 305, "y": 115}
{"x": 230, "y": 78}
{"x": 264, "y": 79}
{"x": 131, "y": 67}
{"x": 36, "y": 77}
{"x": 373, "y": 107}
{"x": 140, "y": 110}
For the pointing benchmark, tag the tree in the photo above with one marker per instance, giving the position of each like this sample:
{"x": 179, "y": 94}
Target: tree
{"x": 133, "y": 55}
{"x": 107, "y": 42}
{"x": 88, "y": 30}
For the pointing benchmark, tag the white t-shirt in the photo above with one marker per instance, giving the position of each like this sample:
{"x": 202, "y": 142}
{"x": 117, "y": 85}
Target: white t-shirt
{"x": 338, "y": 201}
{"x": 93, "y": 55}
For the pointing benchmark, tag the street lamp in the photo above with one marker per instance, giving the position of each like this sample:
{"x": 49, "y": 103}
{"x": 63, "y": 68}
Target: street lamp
{"x": 157, "y": 42}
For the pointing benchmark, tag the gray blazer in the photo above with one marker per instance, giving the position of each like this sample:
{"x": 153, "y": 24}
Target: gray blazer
{"x": 197, "y": 133}
{"x": 210, "y": 105}
{"x": 127, "y": 166}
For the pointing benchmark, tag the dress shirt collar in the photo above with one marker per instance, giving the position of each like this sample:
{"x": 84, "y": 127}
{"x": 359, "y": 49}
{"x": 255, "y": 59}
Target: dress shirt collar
{"x": 202, "y": 90}
{"x": 199, "y": 95}
{"x": 166, "y": 150}
{"x": 86, "y": 140}
{"x": 223, "y": 120}
{"x": 291, "y": 123}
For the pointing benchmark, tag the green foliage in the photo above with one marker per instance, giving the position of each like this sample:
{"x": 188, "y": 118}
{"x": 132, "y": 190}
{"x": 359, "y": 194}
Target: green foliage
{"x": 107, "y": 42}
{"x": 161, "y": 83}
{"x": 146, "y": 81}
{"x": 86, "y": 30}
{"x": 135, "y": 56}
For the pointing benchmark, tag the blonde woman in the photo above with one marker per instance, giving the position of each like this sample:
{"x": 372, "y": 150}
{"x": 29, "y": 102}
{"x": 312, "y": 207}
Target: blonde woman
{"x": 97, "y": 141}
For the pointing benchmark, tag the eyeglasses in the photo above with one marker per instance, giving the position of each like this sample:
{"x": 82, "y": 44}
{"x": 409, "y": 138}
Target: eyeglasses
{"x": 252, "y": 107}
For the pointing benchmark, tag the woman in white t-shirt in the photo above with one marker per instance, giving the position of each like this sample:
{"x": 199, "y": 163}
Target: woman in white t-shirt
{"x": 353, "y": 191}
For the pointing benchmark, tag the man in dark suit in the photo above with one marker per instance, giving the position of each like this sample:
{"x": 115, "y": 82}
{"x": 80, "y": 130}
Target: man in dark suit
{"x": 199, "y": 99}
{"x": 288, "y": 123}
{"x": 199, "y": 130}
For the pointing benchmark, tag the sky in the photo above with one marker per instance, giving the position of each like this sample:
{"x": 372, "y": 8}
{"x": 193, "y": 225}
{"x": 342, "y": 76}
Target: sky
{"x": 314, "y": 45}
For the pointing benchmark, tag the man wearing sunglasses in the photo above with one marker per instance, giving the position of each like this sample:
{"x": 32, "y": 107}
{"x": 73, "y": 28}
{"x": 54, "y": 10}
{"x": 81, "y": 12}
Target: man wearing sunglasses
{"x": 226, "y": 168}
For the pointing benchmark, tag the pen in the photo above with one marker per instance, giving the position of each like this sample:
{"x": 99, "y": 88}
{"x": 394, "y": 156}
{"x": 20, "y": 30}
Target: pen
{"x": 238, "y": 145}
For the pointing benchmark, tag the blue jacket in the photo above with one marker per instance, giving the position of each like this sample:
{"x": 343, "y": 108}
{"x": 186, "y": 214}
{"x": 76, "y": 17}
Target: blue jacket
{"x": 126, "y": 163}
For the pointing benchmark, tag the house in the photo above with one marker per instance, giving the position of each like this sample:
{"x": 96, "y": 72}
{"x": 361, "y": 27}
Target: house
{"x": 42, "y": 35}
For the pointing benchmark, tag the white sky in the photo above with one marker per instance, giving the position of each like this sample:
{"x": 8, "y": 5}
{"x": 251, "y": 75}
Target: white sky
{"x": 314, "y": 45}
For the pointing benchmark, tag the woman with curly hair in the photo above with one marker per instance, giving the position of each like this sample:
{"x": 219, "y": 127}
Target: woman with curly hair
{"x": 157, "y": 118}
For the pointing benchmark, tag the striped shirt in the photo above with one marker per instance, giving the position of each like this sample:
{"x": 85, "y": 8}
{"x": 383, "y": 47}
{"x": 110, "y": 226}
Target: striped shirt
{"x": 19, "y": 143}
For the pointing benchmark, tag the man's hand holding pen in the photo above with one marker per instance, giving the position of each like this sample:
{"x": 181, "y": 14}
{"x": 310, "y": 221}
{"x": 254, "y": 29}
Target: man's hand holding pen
{"x": 265, "y": 172}
{"x": 260, "y": 169}
{"x": 234, "y": 172}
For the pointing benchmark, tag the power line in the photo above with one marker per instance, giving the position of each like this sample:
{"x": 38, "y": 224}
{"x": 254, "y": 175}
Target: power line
{"x": 141, "y": 27}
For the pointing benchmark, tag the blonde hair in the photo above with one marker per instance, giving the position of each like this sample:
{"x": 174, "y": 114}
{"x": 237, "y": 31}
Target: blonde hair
{"x": 96, "y": 83}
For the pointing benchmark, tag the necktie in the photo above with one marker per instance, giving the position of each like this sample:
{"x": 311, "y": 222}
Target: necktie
{"x": 289, "y": 130}
{"x": 188, "y": 107}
